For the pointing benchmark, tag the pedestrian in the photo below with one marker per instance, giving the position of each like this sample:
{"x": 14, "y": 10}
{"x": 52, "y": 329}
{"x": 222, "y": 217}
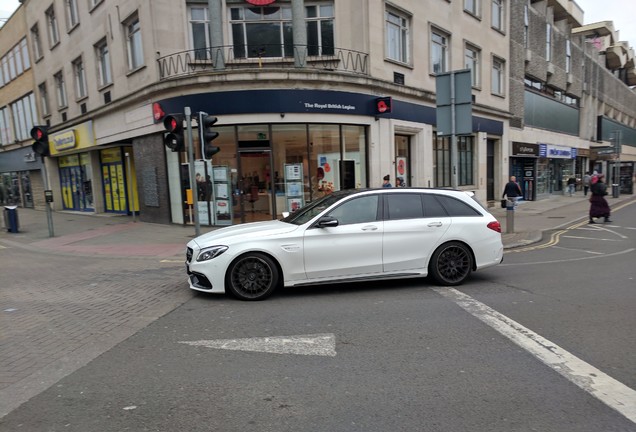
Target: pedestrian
{"x": 512, "y": 190}
{"x": 571, "y": 185}
{"x": 386, "y": 183}
{"x": 587, "y": 179}
{"x": 598, "y": 204}
{"x": 399, "y": 182}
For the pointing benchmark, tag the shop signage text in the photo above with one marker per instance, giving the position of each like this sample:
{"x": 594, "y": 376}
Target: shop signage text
{"x": 524, "y": 149}
{"x": 322, "y": 106}
{"x": 556, "y": 152}
{"x": 64, "y": 141}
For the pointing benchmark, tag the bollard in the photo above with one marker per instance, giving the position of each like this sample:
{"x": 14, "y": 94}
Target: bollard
{"x": 510, "y": 217}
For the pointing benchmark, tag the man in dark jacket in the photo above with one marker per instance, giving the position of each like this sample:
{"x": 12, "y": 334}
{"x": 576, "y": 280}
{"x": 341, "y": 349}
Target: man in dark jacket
{"x": 512, "y": 190}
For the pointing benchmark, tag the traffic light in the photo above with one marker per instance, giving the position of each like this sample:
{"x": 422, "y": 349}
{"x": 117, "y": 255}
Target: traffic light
{"x": 383, "y": 105}
{"x": 207, "y": 135}
{"x": 174, "y": 138}
{"x": 41, "y": 136}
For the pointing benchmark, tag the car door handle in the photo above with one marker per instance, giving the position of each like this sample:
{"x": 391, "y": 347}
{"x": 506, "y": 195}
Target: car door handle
{"x": 369, "y": 228}
{"x": 435, "y": 224}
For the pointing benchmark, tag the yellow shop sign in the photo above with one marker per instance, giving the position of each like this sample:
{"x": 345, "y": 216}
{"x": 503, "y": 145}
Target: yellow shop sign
{"x": 65, "y": 140}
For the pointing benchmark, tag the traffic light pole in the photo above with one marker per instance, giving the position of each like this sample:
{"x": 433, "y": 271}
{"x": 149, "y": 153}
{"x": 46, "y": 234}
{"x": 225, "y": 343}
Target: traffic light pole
{"x": 193, "y": 185}
{"x": 49, "y": 214}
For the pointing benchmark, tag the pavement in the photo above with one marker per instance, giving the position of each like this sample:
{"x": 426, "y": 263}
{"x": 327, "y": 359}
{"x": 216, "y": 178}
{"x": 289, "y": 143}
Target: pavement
{"x": 119, "y": 236}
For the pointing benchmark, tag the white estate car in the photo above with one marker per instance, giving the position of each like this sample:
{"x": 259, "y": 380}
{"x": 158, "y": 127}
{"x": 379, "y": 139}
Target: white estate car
{"x": 350, "y": 235}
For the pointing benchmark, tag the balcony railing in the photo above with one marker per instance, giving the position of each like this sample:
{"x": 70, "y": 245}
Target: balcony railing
{"x": 218, "y": 59}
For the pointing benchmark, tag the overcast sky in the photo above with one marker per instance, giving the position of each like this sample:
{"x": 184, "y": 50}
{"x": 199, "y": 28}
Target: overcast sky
{"x": 622, "y": 12}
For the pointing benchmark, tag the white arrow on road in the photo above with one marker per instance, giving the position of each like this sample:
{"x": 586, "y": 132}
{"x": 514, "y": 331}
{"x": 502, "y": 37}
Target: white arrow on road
{"x": 317, "y": 344}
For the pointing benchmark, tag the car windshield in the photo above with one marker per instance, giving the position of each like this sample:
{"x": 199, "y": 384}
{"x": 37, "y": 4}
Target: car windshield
{"x": 312, "y": 209}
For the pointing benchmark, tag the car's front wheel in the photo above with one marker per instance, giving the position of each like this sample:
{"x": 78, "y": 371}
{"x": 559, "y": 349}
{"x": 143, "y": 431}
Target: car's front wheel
{"x": 451, "y": 264}
{"x": 253, "y": 276}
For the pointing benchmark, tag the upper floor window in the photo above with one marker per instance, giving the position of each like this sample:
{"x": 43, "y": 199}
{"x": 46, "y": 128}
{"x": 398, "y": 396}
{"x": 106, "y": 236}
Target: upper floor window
{"x": 472, "y": 6}
{"x": 262, "y": 31}
{"x": 497, "y": 82}
{"x": 44, "y": 100}
{"x": 24, "y": 116}
{"x": 6, "y": 135}
{"x": 14, "y": 62}
{"x": 133, "y": 43}
{"x": 568, "y": 56}
{"x": 51, "y": 23}
{"x": 72, "y": 16}
{"x": 80, "y": 78}
{"x": 320, "y": 29}
{"x": 103, "y": 63}
{"x": 199, "y": 24}
{"x": 548, "y": 42}
{"x": 397, "y": 36}
{"x": 439, "y": 51}
{"x": 526, "y": 26}
{"x": 498, "y": 14}
{"x": 25, "y": 54}
{"x": 93, "y": 3}
{"x": 62, "y": 101}
{"x": 471, "y": 61}
{"x": 36, "y": 42}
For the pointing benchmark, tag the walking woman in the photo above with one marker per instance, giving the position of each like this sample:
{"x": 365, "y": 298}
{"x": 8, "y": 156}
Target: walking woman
{"x": 598, "y": 204}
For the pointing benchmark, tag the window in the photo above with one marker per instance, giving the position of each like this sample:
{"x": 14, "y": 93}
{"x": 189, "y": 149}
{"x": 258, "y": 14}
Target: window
{"x": 568, "y": 56}
{"x": 61, "y": 90}
{"x": 262, "y": 31}
{"x": 548, "y": 42}
{"x": 465, "y": 161}
{"x": 320, "y": 29}
{"x": 432, "y": 207}
{"x": 497, "y": 76}
{"x": 51, "y": 22}
{"x": 397, "y": 36}
{"x": 357, "y": 210}
{"x": 44, "y": 100}
{"x": 93, "y": 3}
{"x": 199, "y": 24}
{"x": 25, "y": 54}
{"x": 439, "y": 52}
{"x": 133, "y": 43}
{"x": 72, "y": 17}
{"x": 526, "y": 26}
{"x": 441, "y": 156}
{"x": 471, "y": 61}
{"x": 103, "y": 63}
{"x": 472, "y": 6}
{"x": 80, "y": 78}
{"x": 6, "y": 137}
{"x": 497, "y": 14}
{"x": 404, "y": 206}
{"x": 11, "y": 60}
{"x": 24, "y": 116}
{"x": 465, "y": 152}
{"x": 455, "y": 207}
{"x": 36, "y": 42}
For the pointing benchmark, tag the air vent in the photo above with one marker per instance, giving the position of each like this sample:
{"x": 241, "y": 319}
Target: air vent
{"x": 107, "y": 97}
{"x": 398, "y": 78}
{"x": 64, "y": 117}
{"x": 83, "y": 108}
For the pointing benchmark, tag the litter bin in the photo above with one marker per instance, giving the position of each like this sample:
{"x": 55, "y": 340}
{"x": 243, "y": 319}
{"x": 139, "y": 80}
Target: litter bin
{"x": 11, "y": 218}
{"x": 615, "y": 191}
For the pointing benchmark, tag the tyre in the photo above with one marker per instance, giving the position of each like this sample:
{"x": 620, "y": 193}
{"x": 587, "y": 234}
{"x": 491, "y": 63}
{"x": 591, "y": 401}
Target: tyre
{"x": 253, "y": 276}
{"x": 451, "y": 264}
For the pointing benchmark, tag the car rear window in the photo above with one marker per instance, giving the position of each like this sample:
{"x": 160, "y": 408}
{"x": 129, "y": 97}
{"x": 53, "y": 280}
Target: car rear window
{"x": 455, "y": 207}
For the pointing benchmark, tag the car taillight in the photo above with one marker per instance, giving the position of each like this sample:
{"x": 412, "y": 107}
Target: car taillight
{"x": 495, "y": 226}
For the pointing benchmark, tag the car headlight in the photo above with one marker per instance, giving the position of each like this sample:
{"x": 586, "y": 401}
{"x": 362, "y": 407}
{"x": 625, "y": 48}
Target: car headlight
{"x": 210, "y": 252}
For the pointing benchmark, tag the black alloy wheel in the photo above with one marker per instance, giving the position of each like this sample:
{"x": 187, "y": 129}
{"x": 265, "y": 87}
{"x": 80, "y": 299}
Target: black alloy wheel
{"x": 253, "y": 276}
{"x": 451, "y": 264}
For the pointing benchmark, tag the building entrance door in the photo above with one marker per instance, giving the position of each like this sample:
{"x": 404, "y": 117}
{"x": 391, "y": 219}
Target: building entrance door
{"x": 254, "y": 197}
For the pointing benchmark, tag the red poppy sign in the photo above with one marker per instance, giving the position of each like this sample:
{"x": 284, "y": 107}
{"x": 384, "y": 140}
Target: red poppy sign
{"x": 260, "y": 2}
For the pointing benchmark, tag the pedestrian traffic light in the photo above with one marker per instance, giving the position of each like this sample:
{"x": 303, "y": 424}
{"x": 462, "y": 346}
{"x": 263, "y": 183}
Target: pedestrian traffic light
{"x": 383, "y": 105}
{"x": 173, "y": 123}
{"x": 41, "y": 136}
{"x": 207, "y": 135}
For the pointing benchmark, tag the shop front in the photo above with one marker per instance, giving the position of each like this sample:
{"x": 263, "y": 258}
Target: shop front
{"x": 523, "y": 165}
{"x": 21, "y": 178}
{"x": 556, "y": 164}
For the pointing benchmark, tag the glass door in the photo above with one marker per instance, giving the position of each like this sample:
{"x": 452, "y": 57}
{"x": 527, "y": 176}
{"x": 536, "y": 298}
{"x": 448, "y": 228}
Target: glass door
{"x": 254, "y": 194}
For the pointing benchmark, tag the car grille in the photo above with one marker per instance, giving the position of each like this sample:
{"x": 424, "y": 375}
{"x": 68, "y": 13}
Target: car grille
{"x": 189, "y": 253}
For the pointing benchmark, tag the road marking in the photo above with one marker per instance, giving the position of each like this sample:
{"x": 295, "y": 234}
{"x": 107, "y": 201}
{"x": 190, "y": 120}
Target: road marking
{"x": 589, "y": 238}
{"x": 578, "y": 250}
{"x": 504, "y": 264}
{"x": 611, "y": 392}
{"x": 317, "y": 344}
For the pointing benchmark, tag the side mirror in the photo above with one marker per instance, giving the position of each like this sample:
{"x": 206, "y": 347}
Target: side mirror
{"x": 327, "y": 221}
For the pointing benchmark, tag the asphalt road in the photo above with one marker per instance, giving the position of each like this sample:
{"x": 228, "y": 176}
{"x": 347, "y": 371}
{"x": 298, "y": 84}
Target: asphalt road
{"x": 544, "y": 342}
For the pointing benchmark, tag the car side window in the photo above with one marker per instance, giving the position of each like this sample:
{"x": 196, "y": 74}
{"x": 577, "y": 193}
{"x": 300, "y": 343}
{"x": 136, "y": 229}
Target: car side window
{"x": 404, "y": 206}
{"x": 455, "y": 207}
{"x": 432, "y": 206}
{"x": 357, "y": 210}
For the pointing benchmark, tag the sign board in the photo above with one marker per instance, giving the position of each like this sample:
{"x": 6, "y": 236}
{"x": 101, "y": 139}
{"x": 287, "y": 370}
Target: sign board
{"x": 48, "y": 196}
{"x": 454, "y": 97}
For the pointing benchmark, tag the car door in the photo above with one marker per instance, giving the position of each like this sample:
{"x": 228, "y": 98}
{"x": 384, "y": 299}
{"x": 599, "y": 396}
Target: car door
{"x": 352, "y": 248}
{"x": 414, "y": 224}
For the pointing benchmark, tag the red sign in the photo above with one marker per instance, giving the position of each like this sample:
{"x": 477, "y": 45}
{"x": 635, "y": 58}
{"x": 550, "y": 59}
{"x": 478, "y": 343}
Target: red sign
{"x": 260, "y": 2}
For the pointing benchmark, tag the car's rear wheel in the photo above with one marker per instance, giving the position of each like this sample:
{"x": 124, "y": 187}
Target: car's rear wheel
{"x": 451, "y": 264}
{"x": 253, "y": 276}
